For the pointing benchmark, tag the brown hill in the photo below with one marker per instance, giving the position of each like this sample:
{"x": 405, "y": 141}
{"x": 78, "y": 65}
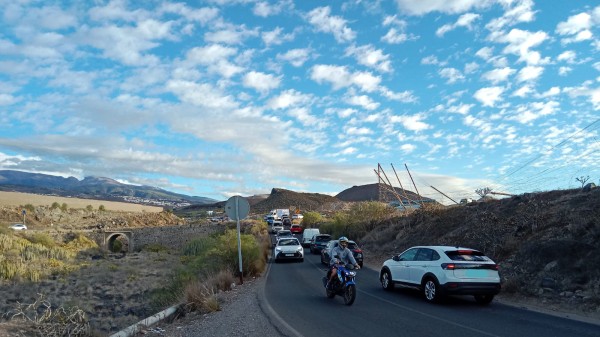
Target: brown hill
{"x": 546, "y": 244}
{"x": 281, "y": 198}
{"x": 379, "y": 192}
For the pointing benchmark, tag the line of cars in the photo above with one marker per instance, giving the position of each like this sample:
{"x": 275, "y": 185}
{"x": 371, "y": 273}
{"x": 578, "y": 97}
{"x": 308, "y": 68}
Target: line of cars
{"x": 435, "y": 271}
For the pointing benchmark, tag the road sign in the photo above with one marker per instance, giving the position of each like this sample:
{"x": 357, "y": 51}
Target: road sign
{"x": 237, "y": 207}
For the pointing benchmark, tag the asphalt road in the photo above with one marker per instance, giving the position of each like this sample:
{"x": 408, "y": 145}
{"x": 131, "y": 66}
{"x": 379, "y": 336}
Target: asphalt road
{"x": 296, "y": 301}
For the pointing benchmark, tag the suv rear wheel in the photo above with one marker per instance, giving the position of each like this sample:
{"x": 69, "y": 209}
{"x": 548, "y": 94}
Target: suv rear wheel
{"x": 431, "y": 290}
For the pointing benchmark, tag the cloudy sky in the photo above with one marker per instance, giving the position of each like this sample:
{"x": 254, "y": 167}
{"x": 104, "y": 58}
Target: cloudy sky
{"x": 224, "y": 97}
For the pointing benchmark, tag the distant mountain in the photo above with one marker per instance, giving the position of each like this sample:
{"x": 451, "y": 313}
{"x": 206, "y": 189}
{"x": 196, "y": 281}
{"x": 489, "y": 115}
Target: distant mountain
{"x": 99, "y": 188}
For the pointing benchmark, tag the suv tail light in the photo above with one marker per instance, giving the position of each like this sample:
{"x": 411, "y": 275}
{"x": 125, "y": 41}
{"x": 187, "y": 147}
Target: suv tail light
{"x": 448, "y": 266}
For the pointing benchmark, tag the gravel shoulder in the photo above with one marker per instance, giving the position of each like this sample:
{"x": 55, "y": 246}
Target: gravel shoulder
{"x": 241, "y": 315}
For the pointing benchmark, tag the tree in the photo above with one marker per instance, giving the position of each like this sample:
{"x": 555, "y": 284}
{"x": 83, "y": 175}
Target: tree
{"x": 89, "y": 208}
{"x": 482, "y": 192}
{"x": 583, "y": 180}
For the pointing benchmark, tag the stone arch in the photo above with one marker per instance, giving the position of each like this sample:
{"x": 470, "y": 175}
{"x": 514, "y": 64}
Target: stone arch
{"x": 124, "y": 236}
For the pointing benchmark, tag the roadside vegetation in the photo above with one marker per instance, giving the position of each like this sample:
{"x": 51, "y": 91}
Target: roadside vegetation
{"x": 356, "y": 222}
{"x": 211, "y": 266}
{"x": 35, "y": 256}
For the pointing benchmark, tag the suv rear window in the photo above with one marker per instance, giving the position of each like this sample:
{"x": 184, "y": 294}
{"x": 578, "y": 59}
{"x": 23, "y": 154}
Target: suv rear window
{"x": 466, "y": 255}
{"x": 352, "y": 245}
{"x": 322, "y": 238}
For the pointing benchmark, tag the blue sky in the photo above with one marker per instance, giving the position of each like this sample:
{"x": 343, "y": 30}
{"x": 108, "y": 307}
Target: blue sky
{"x": 218, "y": 98}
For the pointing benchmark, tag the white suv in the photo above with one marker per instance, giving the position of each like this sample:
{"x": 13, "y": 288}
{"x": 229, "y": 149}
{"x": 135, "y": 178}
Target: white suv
{"x": 443, "y": 270}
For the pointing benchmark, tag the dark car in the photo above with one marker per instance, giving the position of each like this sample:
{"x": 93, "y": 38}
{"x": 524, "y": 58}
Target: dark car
{"x": 353, "y": 246}
{"x": 287, "y": 223}
{"x": 318, "y": 242}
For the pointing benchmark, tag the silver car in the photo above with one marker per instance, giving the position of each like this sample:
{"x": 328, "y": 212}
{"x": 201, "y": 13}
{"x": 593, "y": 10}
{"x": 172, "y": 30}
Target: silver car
{"x": 18, "y": 227}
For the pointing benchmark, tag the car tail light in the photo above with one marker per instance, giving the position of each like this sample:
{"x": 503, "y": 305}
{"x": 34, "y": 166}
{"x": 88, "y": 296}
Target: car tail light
{"x": 448, "y": 266}
{"x": 358, "y": 250}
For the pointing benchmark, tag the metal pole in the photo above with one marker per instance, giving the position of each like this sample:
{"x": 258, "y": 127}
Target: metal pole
{"x": 411, "y": 179}
{"x": 237, "y": 216}
{"x": 444, "y": 194}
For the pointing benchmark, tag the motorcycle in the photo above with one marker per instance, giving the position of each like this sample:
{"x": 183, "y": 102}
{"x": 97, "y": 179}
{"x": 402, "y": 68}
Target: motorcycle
{"x": 342, "y": 285}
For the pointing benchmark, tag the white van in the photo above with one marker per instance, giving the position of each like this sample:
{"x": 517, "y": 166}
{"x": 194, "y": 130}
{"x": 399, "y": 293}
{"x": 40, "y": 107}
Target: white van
{"x": 307, "y": 235}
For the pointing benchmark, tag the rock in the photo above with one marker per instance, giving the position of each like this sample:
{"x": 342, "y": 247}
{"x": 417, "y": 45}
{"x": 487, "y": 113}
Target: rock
{"x": 548, "y": 283}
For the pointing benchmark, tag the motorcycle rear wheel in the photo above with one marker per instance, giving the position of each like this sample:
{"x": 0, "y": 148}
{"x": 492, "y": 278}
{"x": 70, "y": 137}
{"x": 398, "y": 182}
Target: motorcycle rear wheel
{"x": 350, "y": 294}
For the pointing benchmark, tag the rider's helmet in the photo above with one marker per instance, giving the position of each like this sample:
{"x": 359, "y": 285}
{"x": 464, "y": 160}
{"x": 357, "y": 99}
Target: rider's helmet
{"x": 343, "y": 241}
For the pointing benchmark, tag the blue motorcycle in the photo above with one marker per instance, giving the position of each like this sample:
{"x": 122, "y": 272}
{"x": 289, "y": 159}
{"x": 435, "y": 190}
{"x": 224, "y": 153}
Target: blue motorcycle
{"x": 342, "y": 285}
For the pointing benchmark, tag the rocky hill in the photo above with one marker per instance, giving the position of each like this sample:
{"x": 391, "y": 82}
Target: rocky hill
{"x": 380, "y": 192}
{"x": 546, "y": 244}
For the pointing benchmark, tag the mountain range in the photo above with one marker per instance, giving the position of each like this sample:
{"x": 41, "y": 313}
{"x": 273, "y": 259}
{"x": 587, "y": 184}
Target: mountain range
{"x": 100, "y": 188}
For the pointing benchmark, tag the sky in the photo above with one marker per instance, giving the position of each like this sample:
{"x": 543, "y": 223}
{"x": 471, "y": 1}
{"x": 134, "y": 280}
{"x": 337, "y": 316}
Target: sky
{"x": 236, "y": 97}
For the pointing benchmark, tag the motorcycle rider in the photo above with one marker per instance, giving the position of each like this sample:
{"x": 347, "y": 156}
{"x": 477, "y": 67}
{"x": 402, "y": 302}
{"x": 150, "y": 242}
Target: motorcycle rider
{"x": 340, "y": 254}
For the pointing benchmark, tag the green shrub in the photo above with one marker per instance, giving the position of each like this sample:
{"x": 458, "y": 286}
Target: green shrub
{"x": 101, "y": 208}
{"x": 55, "y": 205}
{"x": 155, "y": 248}
{"x": 311, "y": 219}
{"x": 89, "y": 208}
{"x": 42, "y": 238}
{"x": 64, "y": 207}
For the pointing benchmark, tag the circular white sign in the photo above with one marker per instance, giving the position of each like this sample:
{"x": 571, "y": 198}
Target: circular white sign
{"x": 237, "y": 208}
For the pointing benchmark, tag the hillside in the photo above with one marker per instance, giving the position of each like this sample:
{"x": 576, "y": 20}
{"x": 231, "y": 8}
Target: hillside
{"x": 380, "y": 192}
{"x": 547, "y": 244}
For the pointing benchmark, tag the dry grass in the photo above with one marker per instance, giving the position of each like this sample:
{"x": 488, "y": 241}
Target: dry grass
{"x": 20, "y": 199}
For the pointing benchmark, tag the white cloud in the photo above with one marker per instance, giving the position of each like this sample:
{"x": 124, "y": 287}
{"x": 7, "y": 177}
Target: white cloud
{"x": 498, "y": 75}
{"x": 276, "y": 37}
{"x": 515, "y": 12}
{"x": 533, "y": 111}
{"x": 452, "y": 75}
{"x": 464, "y": 20}
{"x": 485, "y": 53}
{"x": 568, "y": 56}
{"x": 265, "y": 9}
{"x": 371, "y": 57}
{"x": 261, "y": 82}
{"x": 422, "y": 7}
{"x": 577, "y": 28}
{"x": 288, "y": 98}
{"x": 564, "y": 71}
{"x": 489, "y": 96}
{"x": 407, "y": 148}
{"x": 215, "y": 57}
{"x": 404, "y": 96}
{"x": 523, "y": 91}
{"x": 296, "y": 57}
{"x": 411, "y": 122}
{"x": 520, "y": 43}
{"x": 354, "y": 131}
{"x": 230, "y": 35}
{"x": 396, "y": 34}
{"x": 349, "y": 150}
{"x": 363, "y": 101}
{"x": 321, "y": 19}
{"x": 529, "y": 73}
{"x": 340, "y": 77}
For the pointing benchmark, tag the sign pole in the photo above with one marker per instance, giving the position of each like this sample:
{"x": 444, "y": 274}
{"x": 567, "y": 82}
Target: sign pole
{"x": 237, "y": 208}
{"x": 237, "y": 216}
